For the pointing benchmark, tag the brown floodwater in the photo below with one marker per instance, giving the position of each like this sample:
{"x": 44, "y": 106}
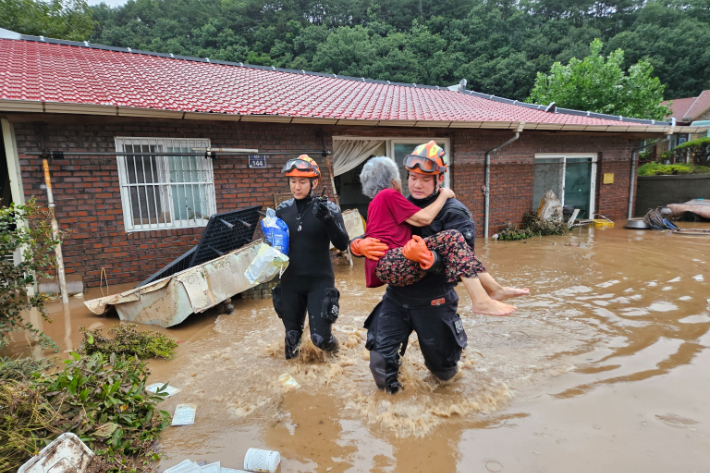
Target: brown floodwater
{"x": 604, "y": 367}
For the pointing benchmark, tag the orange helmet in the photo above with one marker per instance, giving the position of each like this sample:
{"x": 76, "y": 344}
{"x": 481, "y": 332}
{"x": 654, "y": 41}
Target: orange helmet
{"x": 302, "y": 166}
{"x": 427, "y": 159}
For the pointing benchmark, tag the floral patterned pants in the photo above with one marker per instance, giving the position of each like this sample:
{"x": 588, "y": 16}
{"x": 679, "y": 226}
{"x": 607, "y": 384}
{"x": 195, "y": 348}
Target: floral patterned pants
{"x": 459, "y": 260}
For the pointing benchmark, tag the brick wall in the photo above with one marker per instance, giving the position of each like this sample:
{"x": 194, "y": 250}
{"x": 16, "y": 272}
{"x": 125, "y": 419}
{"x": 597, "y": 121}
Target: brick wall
{"x": 89, "y": 204}
{"x": 512, "y": 171}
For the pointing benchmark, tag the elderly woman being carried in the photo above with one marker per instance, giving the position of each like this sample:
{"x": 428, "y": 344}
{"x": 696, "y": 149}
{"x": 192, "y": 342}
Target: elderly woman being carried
{"x": 390, "y": 217}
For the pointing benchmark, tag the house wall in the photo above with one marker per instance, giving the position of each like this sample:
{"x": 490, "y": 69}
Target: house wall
{"x": 89, "y": 204}
{"x": 706, "y": 133}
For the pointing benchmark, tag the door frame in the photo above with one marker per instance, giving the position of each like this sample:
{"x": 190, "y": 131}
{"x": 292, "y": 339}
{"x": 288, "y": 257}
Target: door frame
{"x": 592, "y": 182}
{"x": 390, "y": 141}
{"x": 13, "y": 170}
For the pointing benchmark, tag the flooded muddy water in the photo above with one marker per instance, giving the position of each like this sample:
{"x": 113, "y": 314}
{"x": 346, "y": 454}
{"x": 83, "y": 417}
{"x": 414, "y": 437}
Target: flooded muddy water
{"x": 604, "y": 367}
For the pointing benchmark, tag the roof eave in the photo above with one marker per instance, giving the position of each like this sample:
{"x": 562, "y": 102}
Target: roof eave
{"x": 28, "y": 106}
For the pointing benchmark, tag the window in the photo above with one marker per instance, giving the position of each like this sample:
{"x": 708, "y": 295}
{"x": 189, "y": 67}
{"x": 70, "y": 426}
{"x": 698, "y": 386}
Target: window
{"x": 161, "y": 191}
{"x": 570, "y": 176}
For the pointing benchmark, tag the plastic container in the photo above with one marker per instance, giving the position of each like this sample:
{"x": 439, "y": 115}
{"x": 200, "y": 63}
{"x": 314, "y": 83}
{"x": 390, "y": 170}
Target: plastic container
{"x": 66, "y": 453}
{"x": 275, "y": 231}
{"x": 598, "y": 222}
{"x": 263, "y": 461}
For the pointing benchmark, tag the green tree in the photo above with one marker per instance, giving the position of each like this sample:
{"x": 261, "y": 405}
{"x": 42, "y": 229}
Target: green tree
{"x": 25, "y": 228}
{"x": 62, "y": 19}
{"x": 599, "y": 84}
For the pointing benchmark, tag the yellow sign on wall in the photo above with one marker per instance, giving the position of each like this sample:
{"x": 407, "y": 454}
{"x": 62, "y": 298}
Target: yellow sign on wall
{"x": 608, "y": 178}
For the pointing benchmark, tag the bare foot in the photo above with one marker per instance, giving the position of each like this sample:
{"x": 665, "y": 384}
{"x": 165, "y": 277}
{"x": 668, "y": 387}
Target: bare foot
{"x": 491, "y": 307}
{"x": 508, "y": 292}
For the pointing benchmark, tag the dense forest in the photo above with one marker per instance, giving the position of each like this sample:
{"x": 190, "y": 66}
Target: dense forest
{"x": 497, "y": 45}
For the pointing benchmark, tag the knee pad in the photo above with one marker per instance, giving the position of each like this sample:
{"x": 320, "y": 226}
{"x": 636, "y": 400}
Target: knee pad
{"x": 331, "y": 306}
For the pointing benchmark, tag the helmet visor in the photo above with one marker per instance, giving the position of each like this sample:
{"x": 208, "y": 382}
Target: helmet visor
{"x": 299, "y": 164}
{"x": 424, "y": 164}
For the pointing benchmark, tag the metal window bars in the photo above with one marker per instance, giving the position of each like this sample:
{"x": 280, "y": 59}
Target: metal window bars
{"x": 164, "y": 184}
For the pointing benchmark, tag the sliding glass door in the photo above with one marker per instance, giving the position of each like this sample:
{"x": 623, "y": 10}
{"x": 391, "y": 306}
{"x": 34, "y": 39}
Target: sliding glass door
{"x": 571, "y": 177}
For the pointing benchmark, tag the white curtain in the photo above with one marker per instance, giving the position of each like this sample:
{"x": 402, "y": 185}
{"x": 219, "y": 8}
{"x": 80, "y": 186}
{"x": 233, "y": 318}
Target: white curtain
{"x": 347, "y": 154}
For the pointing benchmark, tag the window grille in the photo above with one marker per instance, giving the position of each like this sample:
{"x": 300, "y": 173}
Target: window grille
{"x": 159, "y": 192}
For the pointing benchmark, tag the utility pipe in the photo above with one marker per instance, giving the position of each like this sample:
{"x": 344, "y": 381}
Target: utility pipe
{"x": 194, "y": 152}
{"x": 632, "y": 179}
{"x": 487, "y": 190}
{"x": 55, "y": 235}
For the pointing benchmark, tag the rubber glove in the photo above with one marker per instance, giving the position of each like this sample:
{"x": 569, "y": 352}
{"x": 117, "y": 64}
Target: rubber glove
{"x": 321, "y": 210}
{"x": 416, "y": 250}
{"x": 370, "y": 248}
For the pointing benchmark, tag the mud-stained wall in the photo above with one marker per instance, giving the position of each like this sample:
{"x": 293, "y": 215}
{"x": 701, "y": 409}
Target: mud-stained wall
{"x": 89, "y": 204}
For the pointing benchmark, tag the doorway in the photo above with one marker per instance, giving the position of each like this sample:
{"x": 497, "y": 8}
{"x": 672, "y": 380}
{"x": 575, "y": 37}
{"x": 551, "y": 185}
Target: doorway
{"x": 347, "y": 184}
{"x": 572, "y": 177}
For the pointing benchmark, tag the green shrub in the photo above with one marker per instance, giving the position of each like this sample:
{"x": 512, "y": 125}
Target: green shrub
{"x": 128, "y": 341}
{"x": 656, "y": 169}
{"x": 698, "y": 151}
{"x": 28, "y": 228}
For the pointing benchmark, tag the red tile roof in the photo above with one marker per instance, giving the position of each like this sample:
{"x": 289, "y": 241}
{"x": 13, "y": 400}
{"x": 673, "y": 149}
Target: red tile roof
{"x": 679, "y": 107}
{"x": 690, "y": 108}
{"x": 69, "y": 73}
{"x": 699, "y": 106}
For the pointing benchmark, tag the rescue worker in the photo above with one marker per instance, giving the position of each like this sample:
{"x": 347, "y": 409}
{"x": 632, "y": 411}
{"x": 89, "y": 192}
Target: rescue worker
{"x": 427, "y": 306}
{"x": 308, "y": 284}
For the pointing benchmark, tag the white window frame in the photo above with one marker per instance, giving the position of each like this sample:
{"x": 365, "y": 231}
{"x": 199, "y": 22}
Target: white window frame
{"x": 390, "y": 141}
{"x": 593, "y": 180}
{"x": 165, "y": 187}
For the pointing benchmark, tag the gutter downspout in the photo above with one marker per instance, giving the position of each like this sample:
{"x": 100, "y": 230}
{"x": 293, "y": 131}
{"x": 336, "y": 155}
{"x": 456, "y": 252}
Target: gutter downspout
{"x": 632, "y": 179}
{"x": 487, "y": 190}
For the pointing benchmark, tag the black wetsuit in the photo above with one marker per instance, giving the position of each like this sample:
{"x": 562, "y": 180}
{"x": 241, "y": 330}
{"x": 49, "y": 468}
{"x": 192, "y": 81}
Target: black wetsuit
{"x": 427, "y": 307}
{"x": 309, "y": 283}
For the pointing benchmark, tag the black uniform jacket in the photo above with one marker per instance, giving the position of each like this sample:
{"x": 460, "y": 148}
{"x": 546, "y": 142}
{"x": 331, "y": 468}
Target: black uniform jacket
{"x": 309, "y": 239}
{"x": 453, "y": 216}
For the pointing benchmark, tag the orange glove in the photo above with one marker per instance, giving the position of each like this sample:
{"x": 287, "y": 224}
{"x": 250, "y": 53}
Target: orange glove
{"x": 416, "y": 250}
{"x": 370, "y": 248}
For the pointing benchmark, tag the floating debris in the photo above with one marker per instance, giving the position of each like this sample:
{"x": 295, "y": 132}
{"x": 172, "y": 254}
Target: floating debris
{"x": 184, "y": 414}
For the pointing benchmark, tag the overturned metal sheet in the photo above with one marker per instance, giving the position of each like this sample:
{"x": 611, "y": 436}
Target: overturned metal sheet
{"x": 225, "y": 232}
{"x": 171, "y": 300}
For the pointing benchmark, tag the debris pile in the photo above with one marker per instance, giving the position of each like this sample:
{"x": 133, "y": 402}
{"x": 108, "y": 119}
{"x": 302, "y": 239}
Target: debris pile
{"x": 102, "y": 399}
{"x": 256, "y": 460}
{"x": 127, "y": 340}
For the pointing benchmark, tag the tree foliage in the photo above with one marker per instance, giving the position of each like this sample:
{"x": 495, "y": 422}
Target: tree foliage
{"x": 599, "y": 84}
{"x": 23, "y": 228}
{"x": 65, "y": 19}
{"x": 697, "y": 151}
{"x": 497, "y": 45}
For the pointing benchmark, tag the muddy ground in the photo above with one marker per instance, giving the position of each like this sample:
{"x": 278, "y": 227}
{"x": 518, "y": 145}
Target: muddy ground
{"x": 604, "y": 367}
